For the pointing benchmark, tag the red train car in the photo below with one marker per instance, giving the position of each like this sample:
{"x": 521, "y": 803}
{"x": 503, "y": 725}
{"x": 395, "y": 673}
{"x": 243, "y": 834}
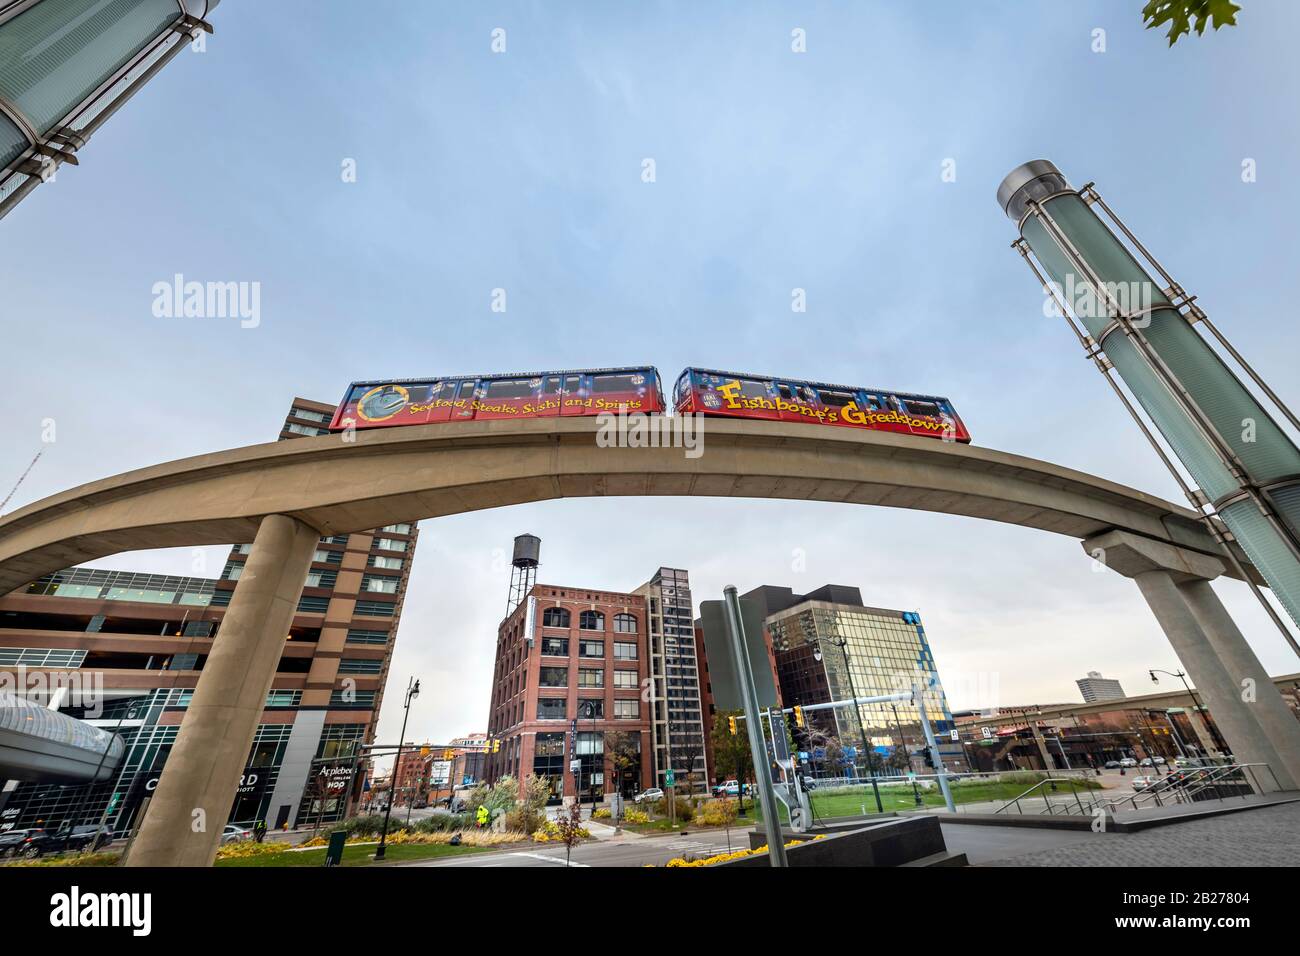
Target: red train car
{"x": 736, "y": 394}
{"x": 463, "y": 398}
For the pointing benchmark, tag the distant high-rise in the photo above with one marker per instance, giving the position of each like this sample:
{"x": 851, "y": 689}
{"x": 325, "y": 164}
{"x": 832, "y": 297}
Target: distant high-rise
{"x": 1094, "y": 687}
{"x": 66, "y": 66}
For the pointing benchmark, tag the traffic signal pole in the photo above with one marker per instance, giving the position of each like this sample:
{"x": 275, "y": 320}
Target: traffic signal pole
{"x": 919, "y": 696}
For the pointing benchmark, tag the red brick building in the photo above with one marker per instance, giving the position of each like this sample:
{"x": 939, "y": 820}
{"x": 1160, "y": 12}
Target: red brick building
{"x": 563, "y": 685}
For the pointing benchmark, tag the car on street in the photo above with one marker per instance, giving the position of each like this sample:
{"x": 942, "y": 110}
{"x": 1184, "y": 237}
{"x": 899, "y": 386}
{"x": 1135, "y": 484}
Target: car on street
{"x": 646, "y": 796}
{"x": 1145, "y": 782}
{"x": 1112, "y": 765}
{"x": 39, "y": 842}
{"x": 1152, "y": 762}
{"x": 233, "y": 834}
{"x": 728, "y": 788}
{"x": 1128, "y": 762}
{"x": 10, "y": 840}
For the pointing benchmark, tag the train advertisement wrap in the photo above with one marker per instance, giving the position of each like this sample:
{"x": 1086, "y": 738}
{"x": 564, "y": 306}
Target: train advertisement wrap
{"x": 789, "y": 400}
{"x": 484, "y": 397}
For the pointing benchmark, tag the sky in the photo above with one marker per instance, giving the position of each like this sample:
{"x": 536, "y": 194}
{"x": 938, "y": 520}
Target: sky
{"x": 774, "y": 170}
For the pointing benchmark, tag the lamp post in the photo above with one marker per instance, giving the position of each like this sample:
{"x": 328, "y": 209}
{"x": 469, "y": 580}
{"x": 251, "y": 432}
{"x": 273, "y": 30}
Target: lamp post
{"x": 843, "y": 644}
{"x": 589, "y": 711}
{"x": 1214, "y": 731}
{"x": 129, "y": 712}
{"x": 412, "y": 691}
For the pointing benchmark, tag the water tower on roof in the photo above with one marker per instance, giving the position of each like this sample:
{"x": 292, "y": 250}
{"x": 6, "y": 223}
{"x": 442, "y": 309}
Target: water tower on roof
{"x": 523, "y": 569}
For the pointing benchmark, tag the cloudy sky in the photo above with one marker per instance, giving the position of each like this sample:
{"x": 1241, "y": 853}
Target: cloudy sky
{"x": 775, "y": 170}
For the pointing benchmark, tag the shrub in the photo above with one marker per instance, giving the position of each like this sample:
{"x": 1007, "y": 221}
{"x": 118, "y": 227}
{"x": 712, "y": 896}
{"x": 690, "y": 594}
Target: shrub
{"x": 601, "y": 814}
{"x": 523, "y": 820}
{"x": 636, "y": 816}
{"x": 440, "y": 823}
{"x": 71, "y": 859}
{"x": 549, "y": 832}
{"x": 717, "y": 813}
{"x": 237, "y": 851}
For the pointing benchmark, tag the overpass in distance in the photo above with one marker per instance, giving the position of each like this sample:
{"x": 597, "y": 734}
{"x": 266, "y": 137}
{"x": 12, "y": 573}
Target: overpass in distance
{"x": 283, "y": 496}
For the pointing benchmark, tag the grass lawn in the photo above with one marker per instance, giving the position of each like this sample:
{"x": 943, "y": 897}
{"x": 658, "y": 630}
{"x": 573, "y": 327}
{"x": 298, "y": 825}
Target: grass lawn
{"x": 850, "y": 801}
{"x": 355, "y": 855}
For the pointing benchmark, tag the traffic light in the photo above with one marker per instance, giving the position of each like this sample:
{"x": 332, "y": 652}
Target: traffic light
{"x": 798, "y": 716}
{"x": 731, "y": 725}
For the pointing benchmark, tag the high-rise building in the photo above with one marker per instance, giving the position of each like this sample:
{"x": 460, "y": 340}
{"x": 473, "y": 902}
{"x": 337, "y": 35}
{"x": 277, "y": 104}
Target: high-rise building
{"x": 571, "y": 663}
{"x": 1094, "y": 687}
{"x": 66, "y": 66}
{"x": 146, "y": 637}
{"x": 677, "y": 730}
{"x": 827, "y": 645}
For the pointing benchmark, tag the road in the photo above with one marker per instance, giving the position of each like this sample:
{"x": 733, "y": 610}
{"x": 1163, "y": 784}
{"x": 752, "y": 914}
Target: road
{"x": 624, "y": 850}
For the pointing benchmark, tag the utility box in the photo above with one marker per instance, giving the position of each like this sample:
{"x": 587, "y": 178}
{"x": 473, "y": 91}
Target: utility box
{"x": 334, "y": 852}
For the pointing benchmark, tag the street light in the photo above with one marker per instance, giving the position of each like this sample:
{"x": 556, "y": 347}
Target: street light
{"x": 843, "y": 644}
{"x": 412, "y": 691}
{"x": 1214, "y": 731}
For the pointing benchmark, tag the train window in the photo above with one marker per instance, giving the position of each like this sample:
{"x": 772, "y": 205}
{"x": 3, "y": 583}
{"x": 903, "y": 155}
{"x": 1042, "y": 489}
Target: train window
{"x": 786, "y": 391}
{"x": 552, "y": 386}
{"x": 751, "y": 389}
{"x": 606, "y": 384}
{"x": 835, "y": 399}
{"x": 679, "y": 390}
{"x": 874, "y": 402}
{"x": 919, "y": 407}
{"x": 512, "y": 388}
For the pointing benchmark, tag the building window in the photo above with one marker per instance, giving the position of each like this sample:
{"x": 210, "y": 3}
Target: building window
{"x": 624, "y": 624}
{"x": 313, "y": 605}
{"x": 320, "y": 579}
{"x": 400, "y": 528}
{"x": 555, "y": 617}
{"x": 591, "y": 648}
{"x": 553, "y": 677}
{"x": 624, "y": 652}
{"x": 41, "y": 657}
{"x": 233, "y": 572}
{"x": 390, "y": 544}
{"x": 306, "y": 429}
{"x": 555, "y": 646}
{"x": 590, "y": 678}
{"x": 591, "y": 621}
{"x": 353, "y": 698}
{"x": 625, "y": 680}
{"x": 364, "y": 636}
{"x": 590, "y": 709}
{"x": 374, "y": 609}
{"x": 357, "y": 666}
{"x": 309, "y": 416}
{"x": 379, "y": 584}
{"x": 627, "y": 709}
{"x": 551, "y": 708}
{"x": 388, "y": 564}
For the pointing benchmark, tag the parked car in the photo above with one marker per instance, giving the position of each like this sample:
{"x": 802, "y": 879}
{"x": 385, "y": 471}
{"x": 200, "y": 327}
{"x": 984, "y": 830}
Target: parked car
{"x": 808, "y": 782}
{"x": 1145, "y": 782}
{"x": 1152, "y": 762}
{"x": 10, "y": 840}
{"x": 728, "y": 788}
{"x": 1128, "y": 762}
{"x": 1112, "y": 765}
{"x": 647, "y": 796}
{"x": 234, "y": 834}
{"x": 39, "y": 842}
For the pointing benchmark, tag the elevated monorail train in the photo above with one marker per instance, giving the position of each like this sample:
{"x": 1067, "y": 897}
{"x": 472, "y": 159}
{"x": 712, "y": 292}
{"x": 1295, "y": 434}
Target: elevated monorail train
{"x": 577, "y": 392}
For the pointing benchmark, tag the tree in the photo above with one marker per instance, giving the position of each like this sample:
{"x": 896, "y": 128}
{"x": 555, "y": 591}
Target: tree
{"x": 685, "y": 756}
{"x": 569, "y": 822}
{"x": 1180, "y": 14}
{"x": 624, "y": 751}
{"x": 731, "y": 756}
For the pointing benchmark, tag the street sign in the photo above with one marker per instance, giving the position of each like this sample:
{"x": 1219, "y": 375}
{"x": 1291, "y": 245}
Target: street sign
{"x": 954, "y": 734}
{"x": 575, "y": 765}
{"x": 987, "y": 732}
{"x": 670, "y": 778}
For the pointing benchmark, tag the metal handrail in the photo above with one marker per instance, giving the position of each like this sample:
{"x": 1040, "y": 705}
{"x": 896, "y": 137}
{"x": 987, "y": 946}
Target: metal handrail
{"x": 1196, "y": 781}
{"x": 1049, "y": 780}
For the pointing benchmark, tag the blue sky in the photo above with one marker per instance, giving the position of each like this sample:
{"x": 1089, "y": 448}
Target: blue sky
{"x": 774, "y": 170}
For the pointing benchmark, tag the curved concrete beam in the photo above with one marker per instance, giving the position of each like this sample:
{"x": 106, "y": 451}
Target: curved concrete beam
{"x": 409, "y": 473}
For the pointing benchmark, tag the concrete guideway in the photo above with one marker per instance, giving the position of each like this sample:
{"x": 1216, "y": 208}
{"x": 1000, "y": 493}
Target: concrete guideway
{"x": 414, "y": 472}
{"x": 282, "y": 496}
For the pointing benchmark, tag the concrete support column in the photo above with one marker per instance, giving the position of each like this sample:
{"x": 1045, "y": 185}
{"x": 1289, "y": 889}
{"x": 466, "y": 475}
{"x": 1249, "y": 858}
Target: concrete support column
{"x": 197, "y": 787}
{"x": 1203, "y": 735}
{"x": 1238, "y": 723}
{"x": 1250, "y": 679}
